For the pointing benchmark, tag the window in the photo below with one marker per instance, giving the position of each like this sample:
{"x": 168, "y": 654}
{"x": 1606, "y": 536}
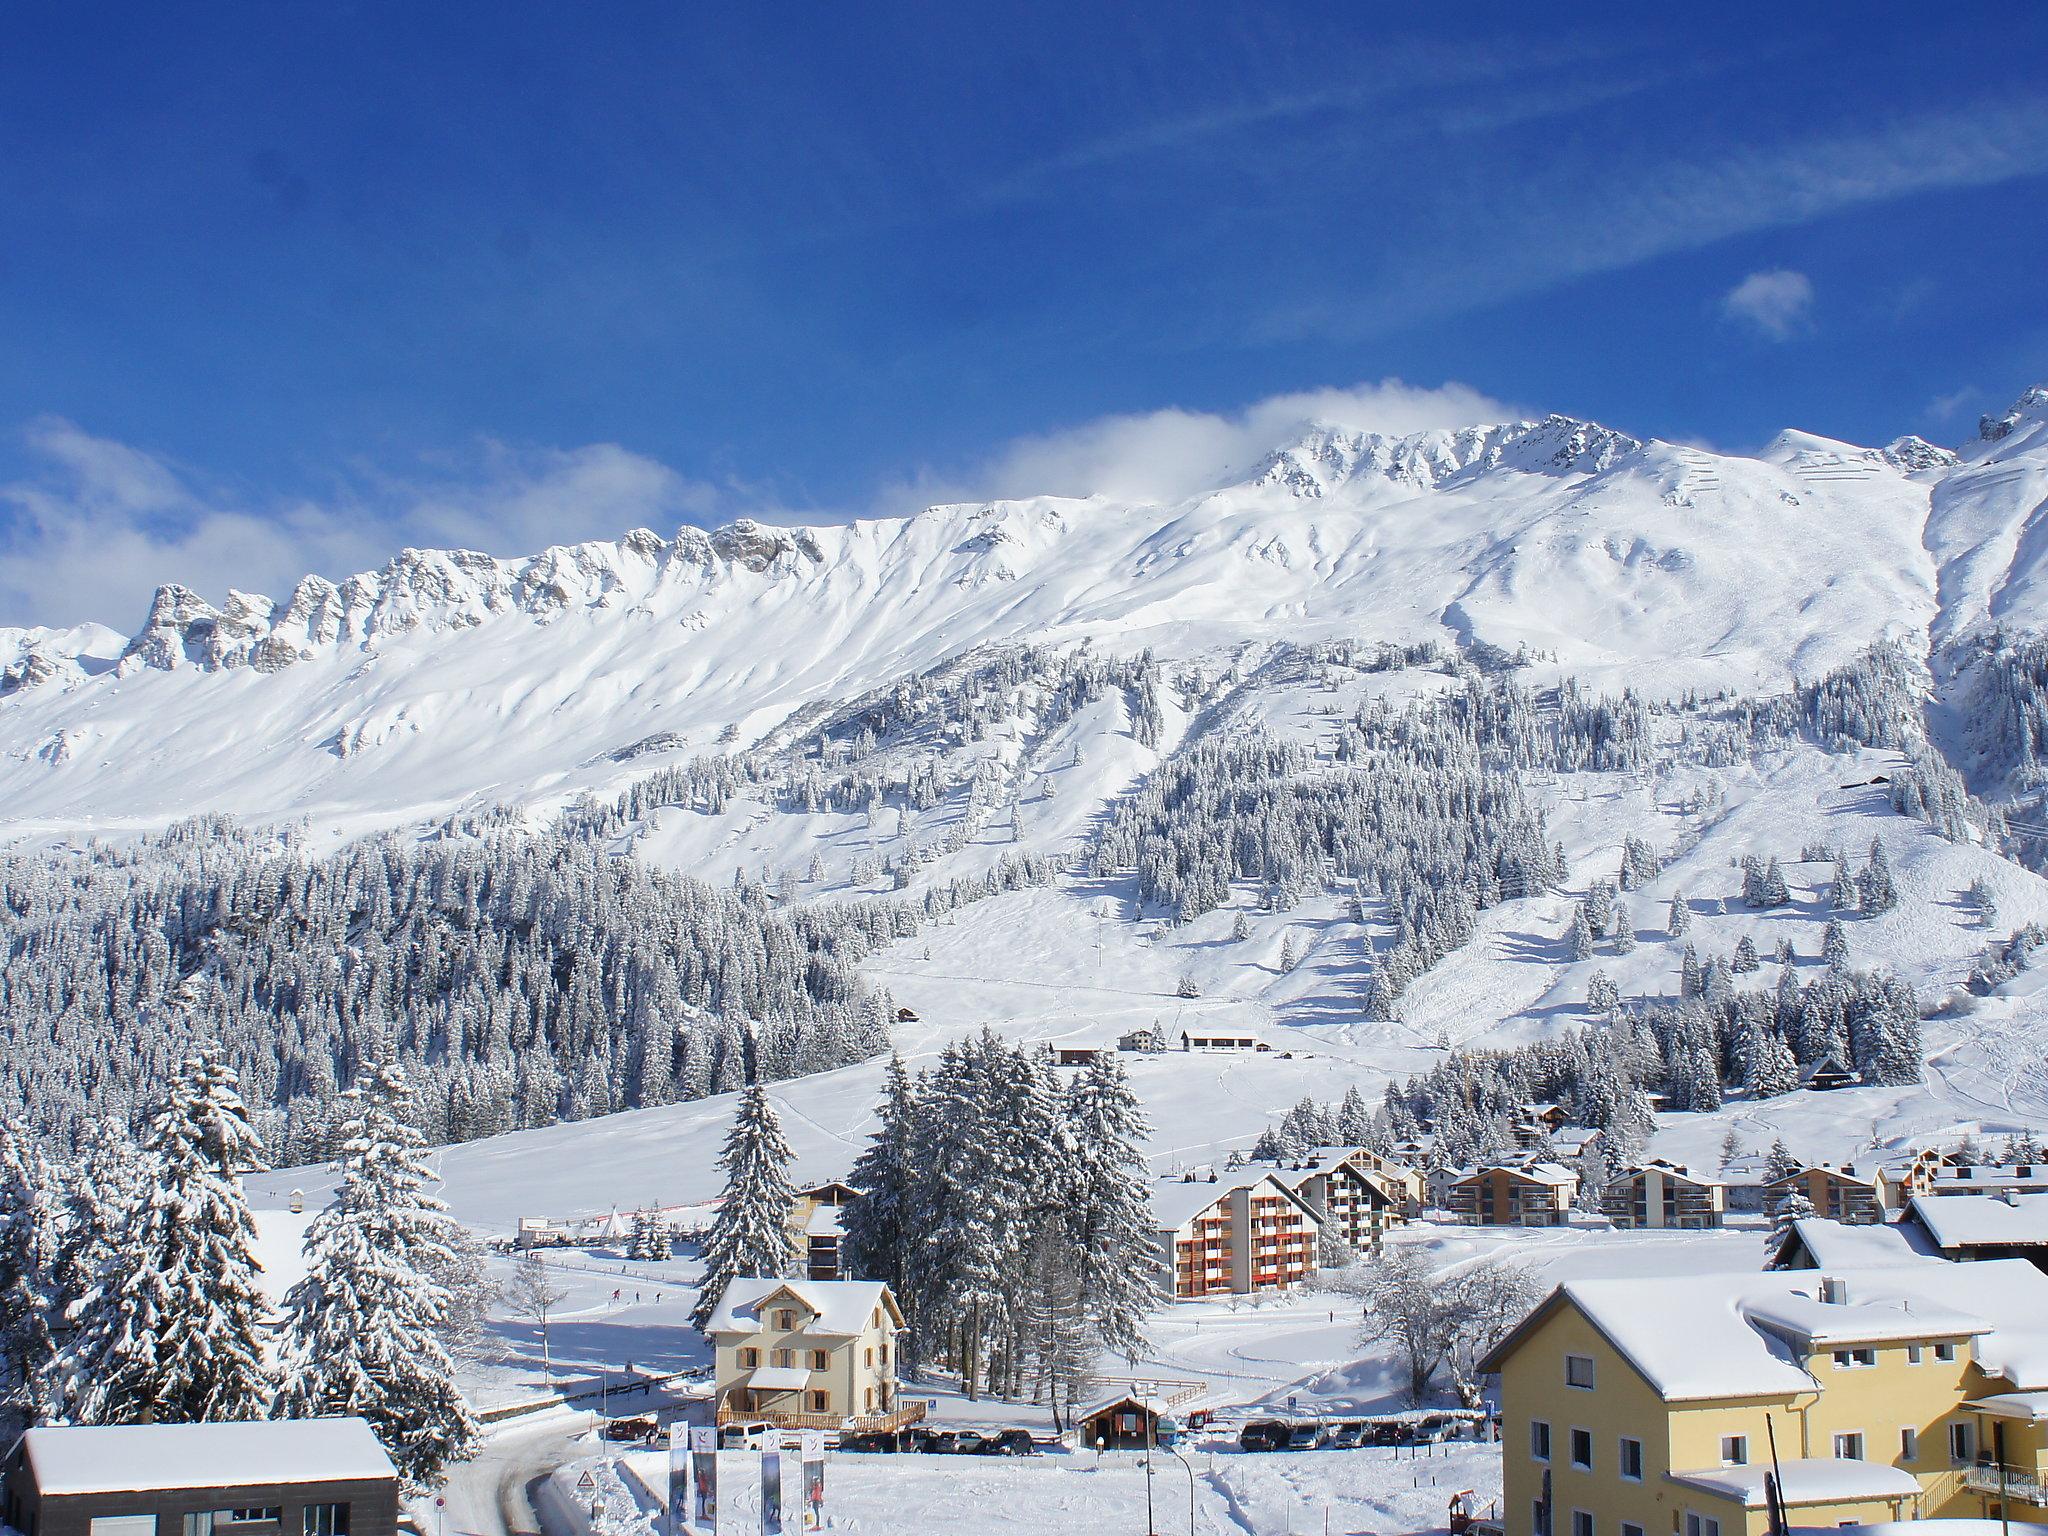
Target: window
{"x": 1962, "y": 1442}
{"x": 1914, "y": 1354}
{"x": 1945, "y": 1353}
{"x": 1631, "y": 1459}
{"x": 249, "y": 1516}
{"x": 785, "y": 1320}
{"x": 1849, "y": 1447}
{"x": 1582, "y": 1449}
{"x": 1630, "y": 1528}
{"x": 1539, "y": 1519}
{"x": 1735, "y": 1450}
{"x": 124, "y": 1525}
{"x": 1850, "y": 1359}
{"x": 1578, "y": 1372}
{"x": 1582, "y": 1523}
{"x": 782, "y": 1358}
{"x": 326, "y": 1520}
{"x": 868, "y": 1399}
{"x": 868, "y": 1358}
{"x": 820, "y": 1401}
{"x": 749, "y": 1358}
{"x": 820, "y": 1360}
{"x": 1701, "y": 1525}
{"x": 1539, "y": 1440}
{"x": 1909, "y": 1444}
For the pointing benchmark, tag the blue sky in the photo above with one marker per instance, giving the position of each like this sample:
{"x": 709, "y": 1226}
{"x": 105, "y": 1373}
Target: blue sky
{"x": 286, "y": 285}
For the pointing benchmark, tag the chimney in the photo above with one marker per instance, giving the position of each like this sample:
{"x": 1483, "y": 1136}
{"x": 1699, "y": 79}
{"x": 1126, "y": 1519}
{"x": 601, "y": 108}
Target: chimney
{"x": 1834, "y": 1290}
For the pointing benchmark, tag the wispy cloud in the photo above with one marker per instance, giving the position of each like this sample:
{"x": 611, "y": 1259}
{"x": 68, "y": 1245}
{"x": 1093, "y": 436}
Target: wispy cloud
{"x": 1774, "y": 304}
{"x": 1577, "y": 218}
{"x": 98, "y": 525}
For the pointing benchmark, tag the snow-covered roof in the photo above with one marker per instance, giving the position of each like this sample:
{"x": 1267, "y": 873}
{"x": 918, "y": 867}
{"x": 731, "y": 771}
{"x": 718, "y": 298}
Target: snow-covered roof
{"x": 843, "y": 1307}
{"x": 824, "y": 1221}
{"x": 121, "y": 1458}
{"x": 1966, "y": 1221}
{"x": 1554, "y": 1174}
{"x": 1862, "y": 1245}
{"x": 1806, "y": 1480}
{"x": 2028, "y": 1407}
{"x": 778, "y": 1378}
{"x": 1711, "y": 1336}
{"x": 1951, "y": 1181}
{"x": 1908, "y": 1528}
{"x": 1176, "y": 1202}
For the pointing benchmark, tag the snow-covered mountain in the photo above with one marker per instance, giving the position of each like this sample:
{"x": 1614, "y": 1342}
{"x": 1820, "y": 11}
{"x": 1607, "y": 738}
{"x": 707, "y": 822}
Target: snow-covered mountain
{"x": 450, "y": 678}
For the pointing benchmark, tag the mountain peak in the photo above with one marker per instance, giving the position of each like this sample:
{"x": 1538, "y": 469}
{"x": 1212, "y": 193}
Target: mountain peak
{"x": 2033, "y": 405}
{"x": 1324, "y": 455}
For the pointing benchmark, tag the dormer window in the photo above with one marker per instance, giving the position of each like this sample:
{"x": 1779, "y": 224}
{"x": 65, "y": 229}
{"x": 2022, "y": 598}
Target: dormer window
{"x": 785, "y": 1319}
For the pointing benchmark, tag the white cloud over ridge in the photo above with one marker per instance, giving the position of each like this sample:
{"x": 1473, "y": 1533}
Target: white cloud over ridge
{"x": 1775, "y": 304}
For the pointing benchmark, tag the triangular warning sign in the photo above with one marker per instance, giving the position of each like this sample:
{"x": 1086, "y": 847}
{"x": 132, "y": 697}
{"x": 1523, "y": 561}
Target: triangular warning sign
{"x": 586, "y": 1482}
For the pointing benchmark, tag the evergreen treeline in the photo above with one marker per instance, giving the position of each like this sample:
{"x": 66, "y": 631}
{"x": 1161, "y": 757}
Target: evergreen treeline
{"x": 1007, "y": 1207}
{"x": 522, "y": 980}
{"x": 129, "y": 1288}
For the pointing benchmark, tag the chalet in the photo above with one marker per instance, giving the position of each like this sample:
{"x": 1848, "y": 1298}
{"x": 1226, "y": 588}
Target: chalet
{"x": 1232, "y": 1237}
{"x": 1405, "y": 1181}
{"x": 1815, "y": 1242}
{"x": 1655, "y": 1404}
{"x": 1532, "y": 1194}
{"x": 1221, "y": 1037}
{"x": 1898, "y": 1182}
{"x": 1536, "y": 1122}
{"x": 1841, "y": 1194}
{"x": 814, "y": 1222}
{"x": 1352, "y": 1199}
{"x": 1140, "y": 1040}
{"x": 1972, "y": 1228}
{"x": 1138, "y": 1419}
{"x": 809, "y": 1354}
{"x": 1826, "y": 1075}
{"x": 1661, "y": 1194}
{"x": 1078, "y": 1055}
{"x": 286, "y": 1477}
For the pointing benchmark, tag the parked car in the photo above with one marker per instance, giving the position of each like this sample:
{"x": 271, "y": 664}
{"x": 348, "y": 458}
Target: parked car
{"x": 631, "y": 1429}
{"x": 747, "y": 1437}
{"x": 1262, "y": 1435}
{"x": 877, "y": 1440}
{"x": 1348, "y": 1436}
{"x": 1010, "y": 1442}
{"x": 1304, "y": 1437}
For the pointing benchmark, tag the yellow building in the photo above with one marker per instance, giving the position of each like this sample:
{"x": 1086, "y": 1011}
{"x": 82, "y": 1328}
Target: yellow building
{"x": 1649, "y": 1406}
{"x": 808, "y": 1354}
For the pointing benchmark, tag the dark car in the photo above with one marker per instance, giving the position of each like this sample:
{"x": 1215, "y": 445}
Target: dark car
{"x": 1262, "y": 1435}
{"x": 631, "y": 1429}
{"x": 1009, "y": 1442}
{"x": 876, "y": 1440}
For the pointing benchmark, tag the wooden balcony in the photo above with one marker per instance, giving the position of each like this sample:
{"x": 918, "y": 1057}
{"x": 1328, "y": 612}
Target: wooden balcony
{"x": 858, "y": 1424}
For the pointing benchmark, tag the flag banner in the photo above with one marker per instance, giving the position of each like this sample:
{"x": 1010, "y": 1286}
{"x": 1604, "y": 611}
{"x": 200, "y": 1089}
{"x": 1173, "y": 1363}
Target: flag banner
{"x": 678, "y": 1479}
{"x": 771, "y": 1493}
{"x": 814, "y": 1490}
{"x": 704, "y": 1476}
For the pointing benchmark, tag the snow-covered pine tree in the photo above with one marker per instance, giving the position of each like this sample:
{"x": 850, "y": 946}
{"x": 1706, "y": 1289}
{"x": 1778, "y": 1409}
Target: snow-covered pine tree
{"x": 1354, "y": 1119}
{"x": 750, "y": 1234}
{"x": 1834, "y": 946}
{"x": 172, "y": 1330}
{"x": 1779, "y": 1163}
{"x": 1681, "y": 916}
{"x": 28, "y": 1252}
{"x": 878, "y": 1229}
{"x": 1109, "y": 1214}
{"x": 363, "y": 1325}
{"x": 1578, "y": 939}
{"x": 1624, "y": 929}
{"x": 1745, "y": 959}
{"x": 1875, "y": 889}
{"x": 1842, "y": 894}
{"x": 1771, "y": 1069}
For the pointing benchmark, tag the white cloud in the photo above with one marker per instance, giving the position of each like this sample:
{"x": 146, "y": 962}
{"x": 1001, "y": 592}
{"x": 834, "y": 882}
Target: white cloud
{"x": 99, "y": 525}
{"x": 1774, "y": 304}
{"x": 1163, "y": 455}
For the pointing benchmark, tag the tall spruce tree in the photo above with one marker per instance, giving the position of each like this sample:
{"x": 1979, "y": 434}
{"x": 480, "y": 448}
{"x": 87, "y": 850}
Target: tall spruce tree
{"x": 1110, "y": 1217}
{"x": 364, "y": 1325}
{"x": 28, "y": 1250}
{"x": 171, "y": 1330}
{"x": 750, "y": 1234}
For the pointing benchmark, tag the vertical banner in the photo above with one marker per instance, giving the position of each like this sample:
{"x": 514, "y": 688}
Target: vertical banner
{"x": 771, "y": 1493}
{"x": 678, "y": 1480}
{"x": 814, "y": 1481}
{"x": 704, "y": 1476}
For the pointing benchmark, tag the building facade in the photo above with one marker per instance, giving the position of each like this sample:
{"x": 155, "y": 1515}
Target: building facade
{"x": 808, "y": 1354}
{"x": 1526, "y": 1195}
{"x": 1840, "y": 1194}
{"x": 1656, "y": 1405}
{"x": 1233, "y": 1237}
{"x": 289, "y": 1477}
{"x": 1663, "y": 1194}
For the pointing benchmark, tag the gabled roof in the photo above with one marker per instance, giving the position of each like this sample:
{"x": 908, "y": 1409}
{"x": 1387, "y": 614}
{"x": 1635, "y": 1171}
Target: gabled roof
{"x": 1176, "y": 1202}
{"x": 1714, "y": 1336}
{"x": 842, "y": 1307}
{"x": 1837, "y": 1245}
{"x": 1967, "y": 1221}
{"x": 1806, "y": 1480}
{"x": 122, "y": 1458}
{"x": 1556, "y": 1175}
